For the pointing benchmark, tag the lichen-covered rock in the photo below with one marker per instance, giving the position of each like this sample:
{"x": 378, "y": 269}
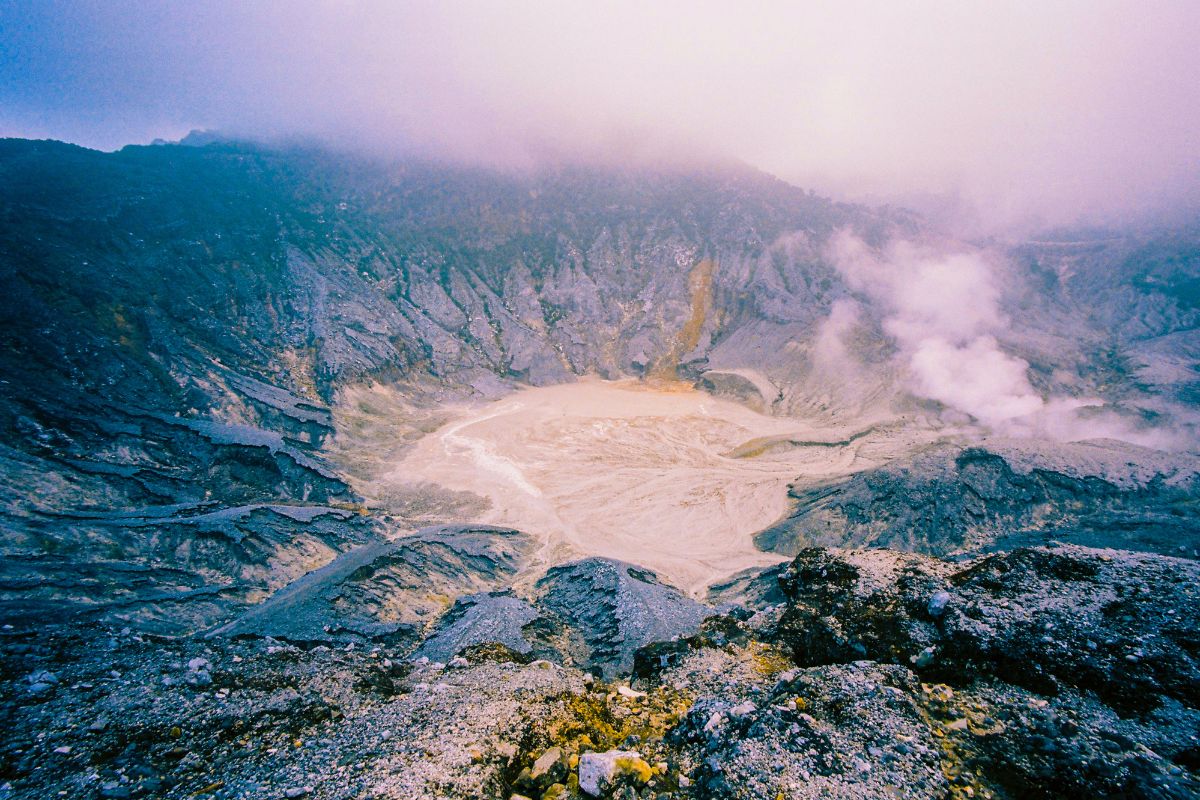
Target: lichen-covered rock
{"x": 1116, "y": 623}
{"x": 855, "y": 730}
{"x": 599, "y": 773}
{"x": 778, "y": 702}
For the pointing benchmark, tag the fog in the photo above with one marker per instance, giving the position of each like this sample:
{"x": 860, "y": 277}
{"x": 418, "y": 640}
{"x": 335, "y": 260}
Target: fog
{"x": 1004, "y": 112}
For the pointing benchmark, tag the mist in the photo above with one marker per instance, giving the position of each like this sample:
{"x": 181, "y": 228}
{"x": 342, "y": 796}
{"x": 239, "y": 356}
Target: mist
{"x": 1015, "y": 113}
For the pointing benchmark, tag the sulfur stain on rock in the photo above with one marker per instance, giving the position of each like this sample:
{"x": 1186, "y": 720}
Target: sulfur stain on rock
{"x": 700, "y": 296}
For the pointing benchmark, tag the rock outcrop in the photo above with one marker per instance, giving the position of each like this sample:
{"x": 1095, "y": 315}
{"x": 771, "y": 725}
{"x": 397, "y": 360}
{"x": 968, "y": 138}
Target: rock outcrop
{"x": 880, "y": 674}
{"x": 387, "y": 591}
{"x": 446, "y": 589}
{"x": 612, "y": 608}
{"x": 1001, "y": 494}
{"x": 178, "y": 323}
{"x": 184, "y": 331}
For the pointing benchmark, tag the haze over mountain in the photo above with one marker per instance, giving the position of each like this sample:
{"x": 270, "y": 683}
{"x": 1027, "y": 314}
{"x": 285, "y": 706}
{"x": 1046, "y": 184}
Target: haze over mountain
{"x": 482, "y": 405}
{"x": 1013, "y": 113}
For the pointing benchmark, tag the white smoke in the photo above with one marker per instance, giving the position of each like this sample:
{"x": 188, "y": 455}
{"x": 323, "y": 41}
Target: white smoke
{"x": 830, "y": 355}
{"x": 943, "y": 310}
{"x": 975, "y": 377}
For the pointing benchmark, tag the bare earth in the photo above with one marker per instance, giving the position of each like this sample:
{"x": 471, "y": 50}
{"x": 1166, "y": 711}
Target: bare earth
{"x": 659, "y": 476}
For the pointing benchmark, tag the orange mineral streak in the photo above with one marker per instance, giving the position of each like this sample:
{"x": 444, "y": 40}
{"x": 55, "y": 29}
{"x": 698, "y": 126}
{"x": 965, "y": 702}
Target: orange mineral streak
{"x": 700, "y": 282}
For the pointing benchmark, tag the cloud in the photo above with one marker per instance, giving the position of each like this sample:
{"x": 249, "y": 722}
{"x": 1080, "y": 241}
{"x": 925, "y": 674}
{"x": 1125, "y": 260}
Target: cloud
{"x": 1026, "y": 109}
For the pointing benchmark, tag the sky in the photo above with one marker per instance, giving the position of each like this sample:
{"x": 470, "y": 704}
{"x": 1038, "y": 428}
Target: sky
{"x": 1050, "y": 112}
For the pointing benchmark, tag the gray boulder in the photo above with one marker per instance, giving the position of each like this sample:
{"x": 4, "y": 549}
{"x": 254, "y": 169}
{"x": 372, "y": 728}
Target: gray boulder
{"x": 612, "y": 608}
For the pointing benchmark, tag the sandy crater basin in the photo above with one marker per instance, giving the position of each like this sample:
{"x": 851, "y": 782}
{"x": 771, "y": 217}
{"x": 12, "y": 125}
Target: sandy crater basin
{"x": 654, "y": 475}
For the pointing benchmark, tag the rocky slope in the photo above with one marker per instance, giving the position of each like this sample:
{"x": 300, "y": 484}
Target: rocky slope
{"x": 203, "y": 349}
{"x": 1049, "y": 672}
{"x": 181, "y": 323}
{"x": 955, "y": 498}
{"x": 177, "y": 321}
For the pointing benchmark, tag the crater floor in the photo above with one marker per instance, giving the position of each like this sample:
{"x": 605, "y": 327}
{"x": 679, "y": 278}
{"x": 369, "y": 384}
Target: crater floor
{"x": 664, "y": 476}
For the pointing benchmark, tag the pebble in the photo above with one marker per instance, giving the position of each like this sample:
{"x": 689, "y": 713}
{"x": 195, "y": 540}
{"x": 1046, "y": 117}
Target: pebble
{"x": 199, "y": 679}
{"x": 42, "y": 683}
{"x": 937, "y": 604}
{"x": 546, "y": 764}
{"x": 297, "y": 791}
{"x": 41, "y": 689}
{"x": 924, "y": 658}
{"x": 742, "y": 709}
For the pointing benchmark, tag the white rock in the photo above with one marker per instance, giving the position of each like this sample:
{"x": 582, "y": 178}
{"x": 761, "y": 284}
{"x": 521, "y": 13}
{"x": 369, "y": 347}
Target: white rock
{"x": 546, "y": 762}
{"x": 924, "y": 658}
{"x": 742, "y": 709}
{"x": 42, "y": 676}
{"x": 596, "y": 770}
{"x": 937, "y": 604}
{"x": 633, "y": 694}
